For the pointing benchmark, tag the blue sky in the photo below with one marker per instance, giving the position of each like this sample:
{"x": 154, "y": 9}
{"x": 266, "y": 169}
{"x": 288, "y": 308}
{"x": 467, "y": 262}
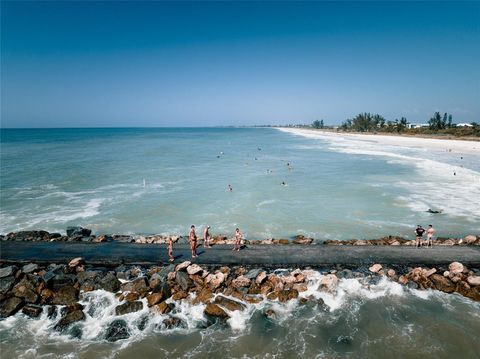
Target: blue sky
{"x": 76, "y": 64}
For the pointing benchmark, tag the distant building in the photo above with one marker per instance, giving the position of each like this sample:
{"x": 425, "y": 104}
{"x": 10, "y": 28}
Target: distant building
{"x": 417, "y": 125}
{"x": 463, "y": 124}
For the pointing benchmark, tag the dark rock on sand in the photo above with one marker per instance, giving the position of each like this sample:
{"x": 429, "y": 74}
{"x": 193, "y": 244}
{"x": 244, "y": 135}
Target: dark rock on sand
{"x": 128, "y": 307}
{"x": 117, "y": 330}
{"x": 32, "y": 310}
{"x": 10, "y": 306}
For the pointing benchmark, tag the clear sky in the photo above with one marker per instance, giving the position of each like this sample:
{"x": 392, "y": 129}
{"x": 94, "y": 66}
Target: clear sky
{"x": 75, "y": 64}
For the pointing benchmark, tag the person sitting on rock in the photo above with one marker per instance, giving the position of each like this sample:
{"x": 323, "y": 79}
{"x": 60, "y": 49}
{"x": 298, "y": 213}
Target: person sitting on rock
{"x": 206, "y": 237}
{"x": 170, "y": 249}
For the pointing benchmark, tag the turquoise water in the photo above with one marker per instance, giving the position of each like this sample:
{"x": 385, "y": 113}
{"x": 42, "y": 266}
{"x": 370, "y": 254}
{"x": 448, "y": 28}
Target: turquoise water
{"x": 142, "y": 180}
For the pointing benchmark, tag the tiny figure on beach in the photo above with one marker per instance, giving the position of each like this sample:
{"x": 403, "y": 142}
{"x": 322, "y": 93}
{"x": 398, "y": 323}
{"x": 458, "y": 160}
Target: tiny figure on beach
{"x": 430, "y": 233}
{"x": 419, "y": 231}
{"x": 206, "y": 237}
{"x": 283, "y": 183}
{"x": 192, "y": 237}
{"x": 229, "y": 188}
{"x": 170, "y": 249}
{"x": 434, "y": 211}
{"x": 238, "y": 240}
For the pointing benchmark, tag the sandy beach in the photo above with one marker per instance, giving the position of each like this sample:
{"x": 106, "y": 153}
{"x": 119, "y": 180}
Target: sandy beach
{"x": 457, "y": 146}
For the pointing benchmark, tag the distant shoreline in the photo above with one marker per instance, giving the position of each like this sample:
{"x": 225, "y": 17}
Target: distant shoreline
{"x": 386, "y": 134}
{"x": 458, "y": 145}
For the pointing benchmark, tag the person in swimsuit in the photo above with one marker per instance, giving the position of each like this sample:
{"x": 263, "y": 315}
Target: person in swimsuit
{"x": 192, "y": 237}
{"x": 229, "y": 188}
{"x": 418, "y": 235}
{"x": 206, "y": 237}
{"x": 430, "y": 233}
{"x": 238, "y": 240}
{"x": 170, "y": 249}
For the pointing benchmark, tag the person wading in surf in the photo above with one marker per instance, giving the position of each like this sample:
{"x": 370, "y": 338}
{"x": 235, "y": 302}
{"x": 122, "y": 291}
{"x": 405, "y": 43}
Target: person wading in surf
{"x": 192, "y": 237}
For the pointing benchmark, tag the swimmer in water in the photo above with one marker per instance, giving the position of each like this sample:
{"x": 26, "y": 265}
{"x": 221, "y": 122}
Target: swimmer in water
{"x": 433, "y": 211}
{"x": 284, "y": 184}
{"x": 229, "y": 188}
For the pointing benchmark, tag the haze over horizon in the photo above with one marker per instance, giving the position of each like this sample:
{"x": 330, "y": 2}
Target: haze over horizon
{"x": 124, "y": 64}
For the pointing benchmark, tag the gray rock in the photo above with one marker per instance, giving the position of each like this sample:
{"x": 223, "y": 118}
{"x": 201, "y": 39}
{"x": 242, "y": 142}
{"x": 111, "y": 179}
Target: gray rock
{"x": 32, "y": 310}
{"x": 61, "y": 280}
{"x": 253, "y": 273}
{"x": 117, "y": 330}
{"x": 163, "y": 273}
{"x": 10, "y": 306}
{"x": 184, "y": 281}
{"x": 128, "y": 307}
{"x": 345, "y": 274}
{"x": 55, "y": 235}
{"x": 6, "y": 283}
{"x": 78, "y": 232}
{"x": 8, "y": 271}
{"x": 68, "y": 319}
{"x": 30, "y": 268}
{"x": 88, "y": 276}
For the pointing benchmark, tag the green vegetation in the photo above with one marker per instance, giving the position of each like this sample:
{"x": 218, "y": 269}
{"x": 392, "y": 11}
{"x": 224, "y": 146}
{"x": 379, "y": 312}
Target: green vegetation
{"x": 438, "y": 125}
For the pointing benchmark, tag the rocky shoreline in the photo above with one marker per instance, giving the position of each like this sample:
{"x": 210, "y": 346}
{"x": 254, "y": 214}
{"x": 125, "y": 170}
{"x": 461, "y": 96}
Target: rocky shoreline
{"x": 58, "y": 288}
{"x": 80, "y": 234}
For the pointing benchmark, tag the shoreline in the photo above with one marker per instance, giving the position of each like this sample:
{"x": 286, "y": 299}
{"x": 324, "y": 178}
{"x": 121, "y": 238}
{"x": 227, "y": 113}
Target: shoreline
{"x": 460, "y": 146}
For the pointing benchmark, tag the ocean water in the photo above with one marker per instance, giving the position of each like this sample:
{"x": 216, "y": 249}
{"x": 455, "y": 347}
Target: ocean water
{"x": 163, "y": 180}
{"x": 362, "y": 320}
{"x": 149, "y": 180}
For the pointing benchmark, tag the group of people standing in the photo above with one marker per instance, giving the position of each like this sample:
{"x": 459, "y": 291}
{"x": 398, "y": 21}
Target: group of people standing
{"x": 419, "y": 231}
{"x": 192, "y": 239}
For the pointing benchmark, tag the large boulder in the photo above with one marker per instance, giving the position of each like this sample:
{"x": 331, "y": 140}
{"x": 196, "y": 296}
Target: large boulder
{"x": 60, "y": 280}
{"x": 286, "y": 295}
{"x": 182, "y": 266}
{"x": 241, "y": 281}
{"x": 67, "y": 295}
{"x": 6, "y": 283}
{"x": 470, "y": 239}
{"x": 75, "y": 262}
{"x": 300, "y": 239}
{"x": 253, "y": 273}
{"x": 29, "y": 268}
{"x": 214, "y": 310}
{"x": 155, "y": 298}
{"x": 162, "y": 308}
{"x": 375, "y": 268}
{"x": 328, "y": 283}
{"x": 128, "y": 307}
{"x": 117, "y": 330}
{"x": 110, "y": 283}
{"x": 69, "y": 318}
{"x": 228, "y": 303}
{"x": 32, "y": 310}
{"x": 442, "y": 283}
{"x": 184, "y": 281}
{"x": 26, "y": 290}
{"x": 10, "y": 306}
{"x": 8, "y": 271}
{"x": 473, "y": 280}
{"x": 73, "y": 232}
{"x": 455, "y": 267}
{"x": 138, "y": 285}
{"x": 262, "y": 276}
{"x": 194, "y": 269}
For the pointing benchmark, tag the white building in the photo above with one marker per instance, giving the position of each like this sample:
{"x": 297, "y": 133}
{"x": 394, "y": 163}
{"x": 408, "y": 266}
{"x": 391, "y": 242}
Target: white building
{"x": 417, "y": 125}
{"x": 463, "y": 124}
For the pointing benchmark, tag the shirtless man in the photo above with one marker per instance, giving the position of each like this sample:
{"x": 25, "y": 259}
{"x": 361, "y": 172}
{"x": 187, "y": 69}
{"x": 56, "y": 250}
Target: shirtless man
{"x": 238, "y": 240}
{"x": 418, "y": 236}
{"x": 430, "y": 233}
{"x": 206, "y": 237}
{"x": 170, "y": 249}
{"x": 192, "y": 237}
